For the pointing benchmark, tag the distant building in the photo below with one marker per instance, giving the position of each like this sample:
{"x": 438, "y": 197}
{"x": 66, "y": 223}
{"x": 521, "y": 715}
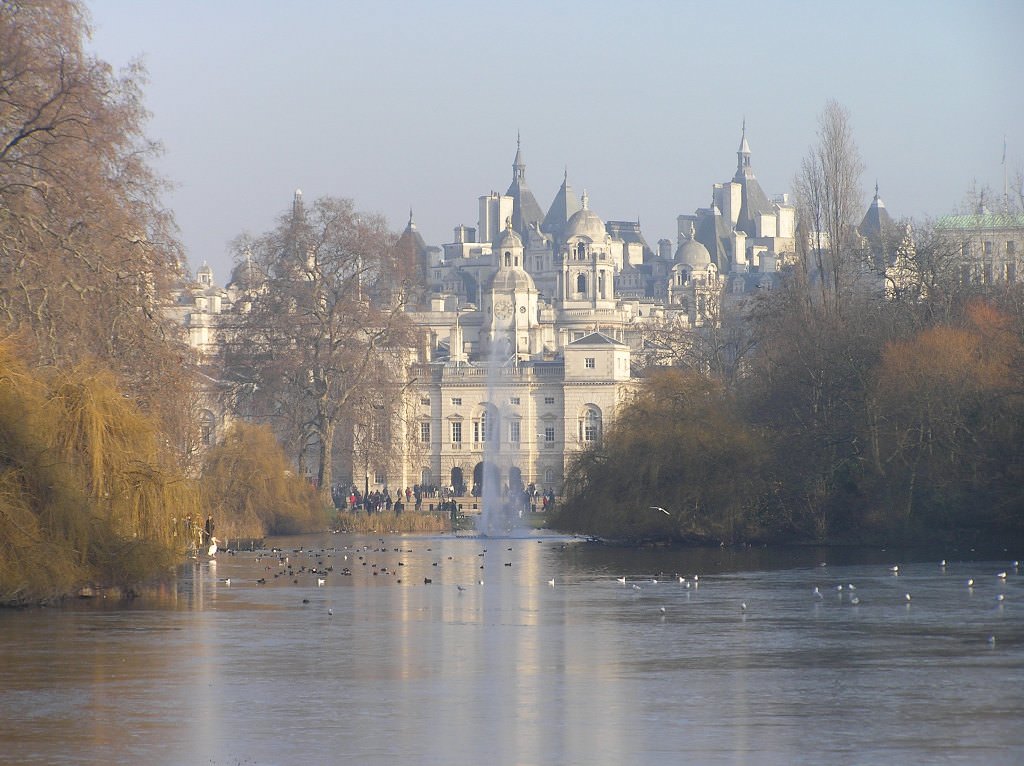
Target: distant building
{"x": 529, "y": 321}
{"x": 991, "y": 245}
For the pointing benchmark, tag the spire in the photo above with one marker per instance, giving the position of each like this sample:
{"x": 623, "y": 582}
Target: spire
{"x": 743, "y": 168}
{"x": 298, "y": 210}
{"x": 518, "y": 166}
{"x": 585, "y": 200}
{"x": 412, "y": 224}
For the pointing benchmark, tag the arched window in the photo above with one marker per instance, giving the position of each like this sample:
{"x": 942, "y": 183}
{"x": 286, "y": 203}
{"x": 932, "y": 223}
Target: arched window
{"x": 508, "y": 258}
{"x": 581, "y": 284}
{"x": 581, "y": 252}
{"x": 485, "y": 422}
{"x": 207, "y": 428}
{"x": 589, "y": 425}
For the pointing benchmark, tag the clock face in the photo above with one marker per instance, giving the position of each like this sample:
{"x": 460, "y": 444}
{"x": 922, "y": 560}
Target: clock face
{"x": 502, "y": 309}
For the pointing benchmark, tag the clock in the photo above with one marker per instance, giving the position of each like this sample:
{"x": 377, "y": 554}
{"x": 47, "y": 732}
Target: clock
{"x": 502, "y": 309}
{"x": 522, "y": 309}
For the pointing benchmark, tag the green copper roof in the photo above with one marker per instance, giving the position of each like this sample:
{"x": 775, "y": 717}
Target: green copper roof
{"x": 981, "y": 221}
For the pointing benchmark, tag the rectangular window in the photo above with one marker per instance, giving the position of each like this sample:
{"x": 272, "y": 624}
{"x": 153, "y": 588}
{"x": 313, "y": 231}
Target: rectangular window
{"x": 549, "y": 434}
{"x": 988, "y": 248}
{"x": 1011, "y": 247}
{"x": 514, "y": 400}
{"x": 425, "y": 432}
{"x": 513, "y": 431}
{"x": 590, "y": 363}
{"x": 425, "y": 401}
{"x": 380, "y": 478}
{"x": 456, "y": 432}
{"x": 457, "y": 401}
{"x": 549, "y": 400}
{"x": 590, "y": 432}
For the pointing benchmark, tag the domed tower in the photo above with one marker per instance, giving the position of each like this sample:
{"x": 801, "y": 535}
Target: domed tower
{"x": 694, "y": 281}
{"x": 511, "y": 320}
{"x": 588, "y": 262}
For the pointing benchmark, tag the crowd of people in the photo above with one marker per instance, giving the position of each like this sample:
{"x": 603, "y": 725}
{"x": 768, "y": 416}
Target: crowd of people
{"x": 529, "y": 498}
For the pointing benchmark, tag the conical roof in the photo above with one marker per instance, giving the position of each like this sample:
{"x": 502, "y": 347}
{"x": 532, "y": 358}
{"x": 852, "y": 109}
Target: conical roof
{"x": 562, "y": 208}
{"x": 525, "y": 210}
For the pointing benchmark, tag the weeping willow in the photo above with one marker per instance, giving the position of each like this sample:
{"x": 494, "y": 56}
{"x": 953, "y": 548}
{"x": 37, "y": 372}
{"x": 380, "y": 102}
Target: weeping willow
{"x": 252, "y": 488}
{"x": 88, "y": 491}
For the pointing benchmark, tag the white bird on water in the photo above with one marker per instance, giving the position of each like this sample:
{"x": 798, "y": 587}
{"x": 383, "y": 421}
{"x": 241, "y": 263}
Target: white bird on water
{"x": 1001, "y": 575}
{"x": 817, "y": 593}
{"x": 621, "y": 580}
{"x": 551, "y": 582}
{"x": 970, "y": 583}
{"x": 895, "y": 569}
{"x": 320, "y": 582}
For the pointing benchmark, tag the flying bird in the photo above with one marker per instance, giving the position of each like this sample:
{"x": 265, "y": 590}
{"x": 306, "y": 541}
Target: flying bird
{"x": 659, "y": 508}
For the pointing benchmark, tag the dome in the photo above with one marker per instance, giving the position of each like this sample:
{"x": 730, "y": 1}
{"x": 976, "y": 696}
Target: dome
{"x": 693, "y": 253}
{"x": 587, "y": 225}
{"x": 509, "y": 239}
{"x": 510, "y": 279}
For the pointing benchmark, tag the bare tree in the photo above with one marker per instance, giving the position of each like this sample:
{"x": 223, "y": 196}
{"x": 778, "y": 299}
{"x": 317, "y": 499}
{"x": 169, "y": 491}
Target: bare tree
{"x": 327, "y": 332}
{"x": 86, "y": 249}
{"x": 828, "y": 205}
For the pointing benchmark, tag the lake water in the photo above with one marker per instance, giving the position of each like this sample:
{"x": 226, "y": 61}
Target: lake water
{"x": 747, "y": 665}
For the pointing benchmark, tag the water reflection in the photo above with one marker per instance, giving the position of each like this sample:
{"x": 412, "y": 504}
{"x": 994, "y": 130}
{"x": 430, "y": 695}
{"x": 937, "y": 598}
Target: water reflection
{"x": 379, "y": 665}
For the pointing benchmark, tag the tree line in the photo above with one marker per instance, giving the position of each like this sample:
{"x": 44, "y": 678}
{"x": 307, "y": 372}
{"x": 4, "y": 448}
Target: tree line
{"x": 100, "y": 456}
{"x": 862, "y": 404}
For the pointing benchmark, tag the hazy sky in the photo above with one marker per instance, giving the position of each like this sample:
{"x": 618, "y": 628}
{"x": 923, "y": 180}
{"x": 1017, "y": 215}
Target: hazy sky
{"x": 417, "y": 104}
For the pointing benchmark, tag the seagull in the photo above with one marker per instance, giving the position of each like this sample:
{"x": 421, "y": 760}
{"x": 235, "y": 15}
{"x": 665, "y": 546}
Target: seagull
{"x": 1001, "y": 575}
{"x": 743, "y": 606}
{"x": 970, "y": 583}
{"x": 330, "y": 611}
{"x": 621, "y": 580}
{"x": 851, "y": 586}
{"x": 855, "y": 601}
{"x": 817, "y": 592}
{"x": 942, "y": 563}
{"x": 460, "y": 588}
{"x": 320, "y": 582}
{"x": 551, "y": 582}
{"x": 1000, "y": 598}
{"x": 662, "y": 610}
{"x": 636, "y": 587}
{"x": 906, "y": 596}
{"x": 682, "y": 579}
{"x": 659, "y": 508}
{"x": 894, "y": 569}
